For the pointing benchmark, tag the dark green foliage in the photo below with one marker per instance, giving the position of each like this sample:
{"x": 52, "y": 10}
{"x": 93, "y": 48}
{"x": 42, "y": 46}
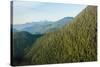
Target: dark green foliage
{"x": 22, "y": 42}
{"x": 76, "y": 42}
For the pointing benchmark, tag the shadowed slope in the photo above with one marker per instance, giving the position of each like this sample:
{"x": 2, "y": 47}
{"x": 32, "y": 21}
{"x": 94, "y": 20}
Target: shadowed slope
{"x": 22, "y": 42}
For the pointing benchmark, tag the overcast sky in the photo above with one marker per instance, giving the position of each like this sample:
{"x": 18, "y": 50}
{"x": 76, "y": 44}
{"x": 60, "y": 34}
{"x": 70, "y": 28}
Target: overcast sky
{"x": 27, "y": 11}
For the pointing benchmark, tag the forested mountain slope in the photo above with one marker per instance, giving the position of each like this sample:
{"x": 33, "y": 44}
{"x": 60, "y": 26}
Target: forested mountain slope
{"x": 22, "y": 42}
{"x": 76, "y": 42}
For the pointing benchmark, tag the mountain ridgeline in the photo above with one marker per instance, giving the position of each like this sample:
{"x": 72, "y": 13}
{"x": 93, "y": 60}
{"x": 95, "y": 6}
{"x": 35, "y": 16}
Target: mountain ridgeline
{"x": 75, "y": 42}
{"x": 43, "y": 26}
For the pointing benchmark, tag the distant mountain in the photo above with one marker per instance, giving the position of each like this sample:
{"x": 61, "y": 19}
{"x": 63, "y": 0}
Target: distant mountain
{"x": 65, "y": 19}
{"x": 22, "y": 26}
{"x": 60, "y": 23}
{"x": 22, "y": 41}
{"x": 75, "y": 42}
{"x": 43, "y": 26}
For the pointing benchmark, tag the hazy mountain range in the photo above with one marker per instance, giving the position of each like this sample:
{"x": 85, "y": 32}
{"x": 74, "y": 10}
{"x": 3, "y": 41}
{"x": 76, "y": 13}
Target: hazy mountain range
{"x": 42, "y": 26}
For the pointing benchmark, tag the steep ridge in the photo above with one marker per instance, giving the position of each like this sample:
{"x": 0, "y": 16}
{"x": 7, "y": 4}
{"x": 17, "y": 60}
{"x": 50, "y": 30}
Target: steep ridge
{"x": 76, "y": 42}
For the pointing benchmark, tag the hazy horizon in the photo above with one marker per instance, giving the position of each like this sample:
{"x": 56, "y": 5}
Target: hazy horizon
{"x": 26, "y": 12}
